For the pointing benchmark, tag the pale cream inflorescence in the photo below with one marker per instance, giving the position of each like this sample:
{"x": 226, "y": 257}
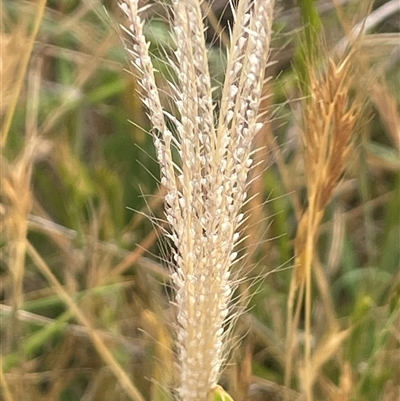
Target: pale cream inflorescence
{"x": 206, "y": 188}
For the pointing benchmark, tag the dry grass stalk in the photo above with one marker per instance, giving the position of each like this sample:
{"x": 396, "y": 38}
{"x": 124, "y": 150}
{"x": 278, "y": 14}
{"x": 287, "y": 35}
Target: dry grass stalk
{"x": 386, "y": 105}
{"x": 16, "y": 192}
{"x": 23, "y": 66}
{"x": 93, "y": 334}
{"x": 17, "y": 196}
{"x": 329, "y": 122}
{"x": 207, "y": 186}
{"x": 15, "y": 189}
{"x": 4, "y": 383}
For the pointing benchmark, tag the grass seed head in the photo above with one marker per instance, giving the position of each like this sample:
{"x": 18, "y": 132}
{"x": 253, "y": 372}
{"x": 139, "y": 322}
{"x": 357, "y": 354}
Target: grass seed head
{"x": 207, "y": 185}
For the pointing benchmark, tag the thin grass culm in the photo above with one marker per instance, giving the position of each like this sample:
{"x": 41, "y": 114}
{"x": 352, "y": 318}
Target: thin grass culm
{"x": 207, "y": 182}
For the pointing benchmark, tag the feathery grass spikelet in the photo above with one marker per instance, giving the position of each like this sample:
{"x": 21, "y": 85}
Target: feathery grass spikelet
{"x": 329, "y": 120}
{"x": 207, "y": 187}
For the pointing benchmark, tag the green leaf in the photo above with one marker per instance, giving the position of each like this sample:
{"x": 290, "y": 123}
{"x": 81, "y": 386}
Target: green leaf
{"x": 219, "y": 394}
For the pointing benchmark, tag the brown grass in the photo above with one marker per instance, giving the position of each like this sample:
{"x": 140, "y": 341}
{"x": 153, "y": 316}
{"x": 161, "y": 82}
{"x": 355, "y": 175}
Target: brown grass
{"x": 329, "y": 120}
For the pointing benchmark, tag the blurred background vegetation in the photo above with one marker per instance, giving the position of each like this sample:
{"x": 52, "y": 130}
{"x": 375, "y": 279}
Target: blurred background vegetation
{"x": 83, "y": 291}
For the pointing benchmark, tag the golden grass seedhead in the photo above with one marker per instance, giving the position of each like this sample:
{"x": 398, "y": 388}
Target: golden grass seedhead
{"x": 329, "y": 124}
{"x": 330, "y": 117}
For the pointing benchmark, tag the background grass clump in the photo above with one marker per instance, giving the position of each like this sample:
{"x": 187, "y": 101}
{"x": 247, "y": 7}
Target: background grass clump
{"x": 84, "y": 297}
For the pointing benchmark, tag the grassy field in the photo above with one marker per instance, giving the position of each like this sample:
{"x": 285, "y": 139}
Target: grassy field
{"x": 85, "y": 274}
